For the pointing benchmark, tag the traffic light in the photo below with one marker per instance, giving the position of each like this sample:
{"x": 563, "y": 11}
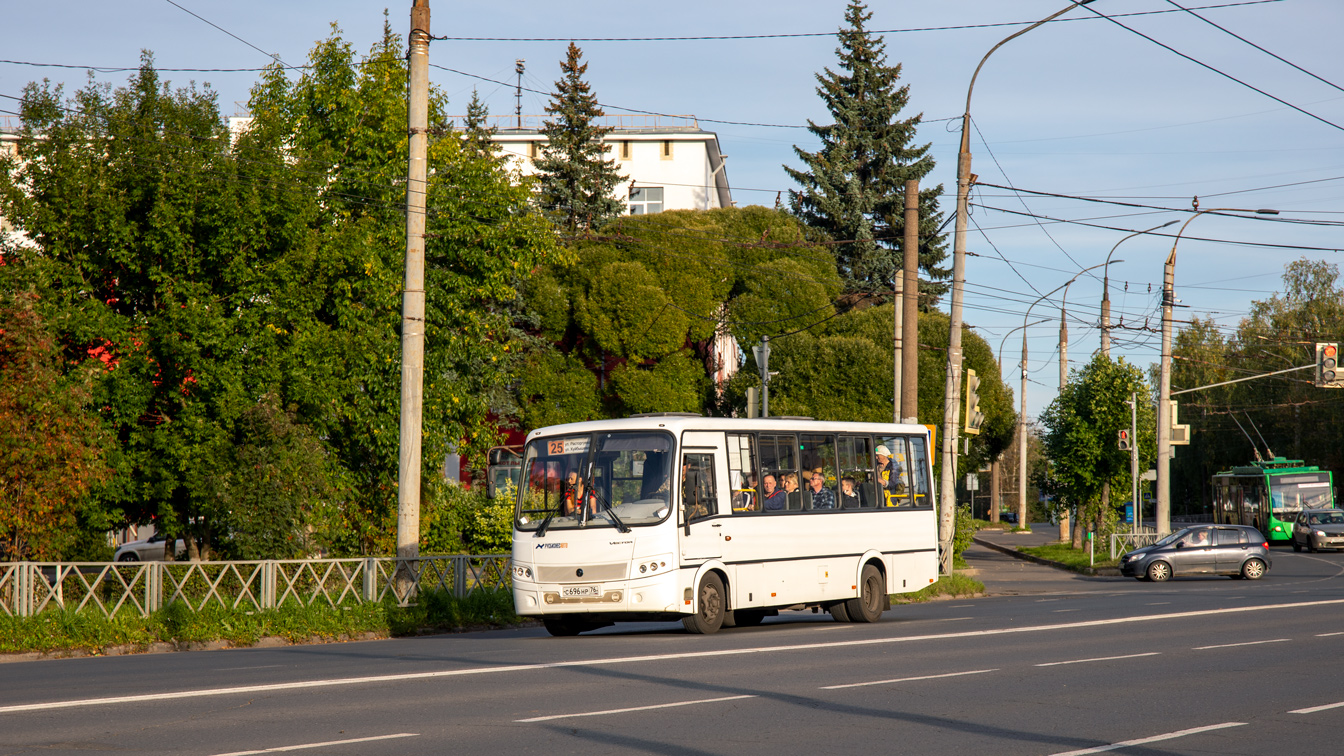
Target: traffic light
{"x": 974, "y": 417}
{"x": 1124, "y": 440}
{"x": 1327, "y": 366}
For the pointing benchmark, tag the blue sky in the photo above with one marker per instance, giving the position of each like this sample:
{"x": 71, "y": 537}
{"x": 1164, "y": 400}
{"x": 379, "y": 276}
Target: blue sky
{"x": 1077, "y": 108}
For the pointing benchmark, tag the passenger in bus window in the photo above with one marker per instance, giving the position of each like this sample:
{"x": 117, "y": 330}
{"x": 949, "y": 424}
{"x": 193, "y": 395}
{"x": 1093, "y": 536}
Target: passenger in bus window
{"x": 745, "y": 498}
{"x": 821, "y": 496}
{"x": 849, "y": 494}
{"x": 792, "y": 499}
{"x": 773, "y": 498}
{"x": 892, "y": 476}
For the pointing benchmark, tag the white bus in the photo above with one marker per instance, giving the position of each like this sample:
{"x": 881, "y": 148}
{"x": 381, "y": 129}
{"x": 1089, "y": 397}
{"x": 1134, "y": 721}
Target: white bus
{"x": 720, "y": 521}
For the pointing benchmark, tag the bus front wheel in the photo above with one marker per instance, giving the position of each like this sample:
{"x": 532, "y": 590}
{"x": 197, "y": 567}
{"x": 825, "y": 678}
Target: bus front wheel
{"x": 708, "y": 617}
{"x": 872, "y": 597}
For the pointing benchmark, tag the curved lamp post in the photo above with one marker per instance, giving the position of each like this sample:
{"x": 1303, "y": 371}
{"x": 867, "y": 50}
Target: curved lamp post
{"x": 1022, "y": 414}
{"x": 1106, "y": 291}
{"x": 1064, "y": 327}
{"x": 952, "y": 389}
{"x": 1163, "y": 513}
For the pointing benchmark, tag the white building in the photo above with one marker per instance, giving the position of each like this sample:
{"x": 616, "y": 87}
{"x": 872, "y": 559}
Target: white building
{"x": 670, "y": 163}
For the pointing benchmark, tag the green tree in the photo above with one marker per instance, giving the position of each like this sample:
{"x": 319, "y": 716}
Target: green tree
{"x": 577, "y": 179}
{"x": 1082, "y": 426}
{"x": 853, "y": 187}
{"x": 52, "y": 449}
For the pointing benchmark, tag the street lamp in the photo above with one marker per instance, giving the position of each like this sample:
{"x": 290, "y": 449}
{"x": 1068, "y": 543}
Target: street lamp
{"x": 994, "y": 465}
{"x": 1163, "y": 513}
{"x": 952, "y": 389}
{"x": 1106, "y": 291}
{"x": 1022, "y": 414}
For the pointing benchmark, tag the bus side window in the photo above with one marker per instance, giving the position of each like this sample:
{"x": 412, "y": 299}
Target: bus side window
{"x": 779, "y": 471}
{"x": 893, "y": 471}
{"x": 698, "y": 497}
{"x": 919, "y": 472}
{"x": 742, "y": 474}
{"x": 856, "y": 472}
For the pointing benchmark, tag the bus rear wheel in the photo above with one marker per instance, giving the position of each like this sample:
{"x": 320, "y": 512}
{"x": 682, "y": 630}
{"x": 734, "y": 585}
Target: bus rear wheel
{"x": 708, "y": 617}
{"x": 838, "y": 611}
{"x": 872, "y": 597}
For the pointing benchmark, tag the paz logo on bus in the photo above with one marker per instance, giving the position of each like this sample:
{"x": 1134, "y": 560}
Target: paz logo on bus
{"x": 552, "y": 545}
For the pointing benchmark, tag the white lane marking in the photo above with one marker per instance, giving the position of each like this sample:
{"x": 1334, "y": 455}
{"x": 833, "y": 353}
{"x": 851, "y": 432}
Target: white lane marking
{"x": 961, "y": 606}
{"x": 1099, "y": 658}
{"x": 908, "y": 679}
{"x": 1247, "y": 643}
{"x": 954, "y": 619}
{"x": 281, "y": 749}
{"x": 1042, "y": 601}
{"x": 1153, "y": 739}
{"x": 1327, "y": 635}
{"x": 1158, "y": 603}
{"x": 1314, "y": 709}
{"x": 653, "y": 657}
{"x": 263, "y": 666}
{"x": 634, "y": 708}
{"x": 1057, "y": 611}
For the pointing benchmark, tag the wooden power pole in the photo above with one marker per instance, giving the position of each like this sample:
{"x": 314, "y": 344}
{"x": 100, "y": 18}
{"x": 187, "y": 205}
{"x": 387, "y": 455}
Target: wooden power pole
{"x": 413, "y": 301}
{"x": 910, "y": 321}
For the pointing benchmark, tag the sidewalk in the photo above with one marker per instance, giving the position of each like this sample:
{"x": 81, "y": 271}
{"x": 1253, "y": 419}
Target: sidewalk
{"x": 1009, "y": 575}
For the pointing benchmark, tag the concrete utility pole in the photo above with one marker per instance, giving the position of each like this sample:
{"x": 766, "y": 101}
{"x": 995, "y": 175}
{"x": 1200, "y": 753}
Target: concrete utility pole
{"x": 1162, "y": 511}
{"x": 413, "y": 297}
{"x": 952, "y": 389}
{"x": 910, "y": 320}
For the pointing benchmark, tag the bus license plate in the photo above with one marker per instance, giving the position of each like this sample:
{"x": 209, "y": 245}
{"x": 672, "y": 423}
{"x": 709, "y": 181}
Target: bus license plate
{"x": 581, "y": 591}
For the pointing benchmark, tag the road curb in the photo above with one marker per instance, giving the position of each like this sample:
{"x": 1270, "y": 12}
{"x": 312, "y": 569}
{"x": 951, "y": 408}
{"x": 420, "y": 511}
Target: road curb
{"x": 1091, "y": 571}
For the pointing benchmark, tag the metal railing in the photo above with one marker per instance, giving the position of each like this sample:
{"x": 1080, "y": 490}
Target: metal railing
{"x": 28, "y": 588}
{"x": 1123, "y": 542}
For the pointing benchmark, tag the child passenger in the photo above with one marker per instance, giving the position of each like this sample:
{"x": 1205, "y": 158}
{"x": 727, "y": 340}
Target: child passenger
{"x": 849, "y": 495}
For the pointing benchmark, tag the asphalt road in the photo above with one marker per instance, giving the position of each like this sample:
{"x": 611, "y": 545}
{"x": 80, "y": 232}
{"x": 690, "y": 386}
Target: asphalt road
{"x": 1063, "y": 665}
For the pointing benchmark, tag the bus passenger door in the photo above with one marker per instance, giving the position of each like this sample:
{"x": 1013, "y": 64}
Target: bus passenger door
{"x": 704, "y": 497}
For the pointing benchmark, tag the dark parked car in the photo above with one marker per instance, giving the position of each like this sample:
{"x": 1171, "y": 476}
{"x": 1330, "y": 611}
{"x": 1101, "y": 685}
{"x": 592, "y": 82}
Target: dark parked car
{"x": 1318, "y": 529}
{"x": 1236, "y": 550}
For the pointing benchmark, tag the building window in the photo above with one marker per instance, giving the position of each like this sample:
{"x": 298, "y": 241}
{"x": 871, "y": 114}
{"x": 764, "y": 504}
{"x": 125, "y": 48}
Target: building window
{"x": 646, "y": 199}
{"x": 625, "y": 150}
{"x": 667, "y": 149}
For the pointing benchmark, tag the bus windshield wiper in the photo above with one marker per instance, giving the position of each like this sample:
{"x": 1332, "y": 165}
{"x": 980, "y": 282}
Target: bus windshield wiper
{"x": 620, "y": 524}
{"x": 546, "y": 523}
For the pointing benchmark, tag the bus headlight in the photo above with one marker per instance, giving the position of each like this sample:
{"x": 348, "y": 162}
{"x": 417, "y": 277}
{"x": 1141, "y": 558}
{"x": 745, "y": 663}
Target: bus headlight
{"x": 522, "y": 572}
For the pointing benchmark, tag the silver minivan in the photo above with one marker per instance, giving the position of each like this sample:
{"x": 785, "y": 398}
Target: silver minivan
{"x": 1239, "y": 551}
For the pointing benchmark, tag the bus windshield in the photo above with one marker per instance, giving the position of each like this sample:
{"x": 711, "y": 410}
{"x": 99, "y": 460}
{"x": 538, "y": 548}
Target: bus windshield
{"x": 1290, "y": 493}
{"x": 614, "y": 480}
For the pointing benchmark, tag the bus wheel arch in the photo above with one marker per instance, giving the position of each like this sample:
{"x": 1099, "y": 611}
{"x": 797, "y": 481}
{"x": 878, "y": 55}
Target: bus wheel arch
{"x": 711, "y": 604}
{"x": 873, "y": 598}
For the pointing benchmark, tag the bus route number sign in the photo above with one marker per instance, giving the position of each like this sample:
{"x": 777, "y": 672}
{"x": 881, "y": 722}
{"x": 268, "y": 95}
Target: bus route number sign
{"x": 562, "y": 446}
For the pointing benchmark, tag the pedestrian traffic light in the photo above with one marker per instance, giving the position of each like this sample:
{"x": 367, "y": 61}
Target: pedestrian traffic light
{"x": 974, "y": 417}
{"x": 1327, "y": 366}
{"x": 1124, "y": 440}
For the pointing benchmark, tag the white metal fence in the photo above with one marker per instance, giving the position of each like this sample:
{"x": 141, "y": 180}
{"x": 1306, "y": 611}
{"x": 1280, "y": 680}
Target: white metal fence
{"x": 28, "y": 588}
{"x": 1123, "y": 542}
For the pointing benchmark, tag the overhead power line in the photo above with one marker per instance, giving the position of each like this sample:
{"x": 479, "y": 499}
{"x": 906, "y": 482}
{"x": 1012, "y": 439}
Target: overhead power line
{"x": 728, "y": 37}
{"x": 1202, "y": 64}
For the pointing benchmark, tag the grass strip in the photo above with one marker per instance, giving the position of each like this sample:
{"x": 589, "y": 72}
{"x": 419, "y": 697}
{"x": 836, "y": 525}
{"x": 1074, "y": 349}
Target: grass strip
{"x": 948, "y": 586}
{"x": 1074, "y": 559}
{"x": 68, "y": 630}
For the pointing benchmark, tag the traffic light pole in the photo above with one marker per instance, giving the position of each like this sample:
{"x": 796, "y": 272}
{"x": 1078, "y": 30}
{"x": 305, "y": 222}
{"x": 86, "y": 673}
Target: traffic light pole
{"x": 1134, "y": 460}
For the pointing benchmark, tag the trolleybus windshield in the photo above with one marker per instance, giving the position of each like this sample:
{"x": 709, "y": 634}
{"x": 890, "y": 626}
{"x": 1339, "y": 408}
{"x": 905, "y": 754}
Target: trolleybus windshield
{"x": 619, "y": 480}
{"x": 1290, "y": 493}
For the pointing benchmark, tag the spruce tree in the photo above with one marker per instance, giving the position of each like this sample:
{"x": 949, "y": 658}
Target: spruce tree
{"x": 477, "y": 135}
{"x": 853, "y": 187}
{"x": 577, "y": 179}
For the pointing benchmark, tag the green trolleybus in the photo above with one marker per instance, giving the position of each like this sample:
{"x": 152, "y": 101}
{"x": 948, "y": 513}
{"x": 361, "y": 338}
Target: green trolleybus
{"x": 1268, "y": 495}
